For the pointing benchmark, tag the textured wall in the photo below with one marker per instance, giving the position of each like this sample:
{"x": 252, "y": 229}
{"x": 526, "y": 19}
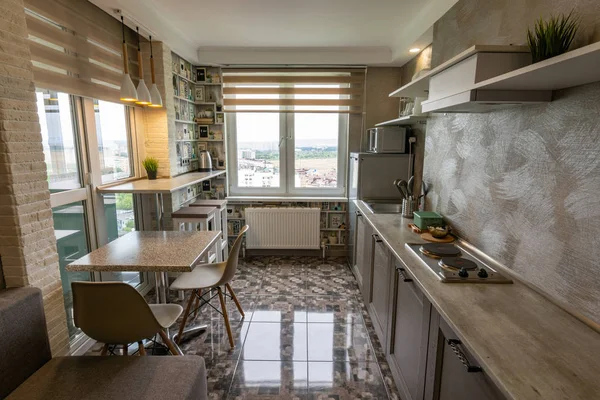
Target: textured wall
{"x": 523, "y": 184}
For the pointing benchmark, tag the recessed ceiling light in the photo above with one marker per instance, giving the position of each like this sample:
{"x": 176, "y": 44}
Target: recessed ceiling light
{"x": 415, "y": 50}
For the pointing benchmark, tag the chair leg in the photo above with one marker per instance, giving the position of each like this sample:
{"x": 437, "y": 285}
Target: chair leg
{"x": 168, "y": 342}
{"x": 225, "y": 317}
{"x": 142, "y": 348}
{"x": 235, "y": 300}
{"x": 104, "y": 349}
{"x": 125, "y": 349}
{"x": 185, "y": 316}
{"x": 197, "y": 303}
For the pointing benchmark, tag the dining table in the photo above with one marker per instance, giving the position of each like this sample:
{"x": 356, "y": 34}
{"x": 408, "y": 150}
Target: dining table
{"x": 158, "y": 252}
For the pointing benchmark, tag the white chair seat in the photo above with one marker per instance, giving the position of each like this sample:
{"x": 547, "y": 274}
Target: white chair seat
{"x": 166, "y": 314}
{"x": 203, "y": 276}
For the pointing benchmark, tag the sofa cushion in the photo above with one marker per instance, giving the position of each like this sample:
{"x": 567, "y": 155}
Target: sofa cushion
{"x": 117, "y": 377}
{"x": 24, "y": 346}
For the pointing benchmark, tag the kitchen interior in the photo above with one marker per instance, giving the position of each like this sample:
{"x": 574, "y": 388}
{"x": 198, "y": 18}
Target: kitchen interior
{"x": 454, "y": 256}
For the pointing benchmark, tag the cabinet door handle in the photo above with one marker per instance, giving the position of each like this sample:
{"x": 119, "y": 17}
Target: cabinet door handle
{"x": 404, "y": 276}
{"x": 377, "y": 238}
{"x": 454, "y": 345}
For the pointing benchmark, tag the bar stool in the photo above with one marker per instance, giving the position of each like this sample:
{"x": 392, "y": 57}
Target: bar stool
{"x": 220, "y": 222}
{"x": 197, "y": 218}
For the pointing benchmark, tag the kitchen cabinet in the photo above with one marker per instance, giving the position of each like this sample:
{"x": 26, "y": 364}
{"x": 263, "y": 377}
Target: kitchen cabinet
{"x": 363, "y": 251}
{"x": 409, "y": 335}
{"x": 381, "y": 278}
{"x": 452, "y": 373}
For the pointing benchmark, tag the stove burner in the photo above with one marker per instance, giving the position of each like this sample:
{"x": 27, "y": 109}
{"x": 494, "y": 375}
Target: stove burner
{"x": 439, "y": 250}
{"x": 457, "y": 263}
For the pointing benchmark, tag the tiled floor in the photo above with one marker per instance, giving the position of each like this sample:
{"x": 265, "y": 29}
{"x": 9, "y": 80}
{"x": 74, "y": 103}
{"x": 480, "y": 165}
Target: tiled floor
{"x": 305, "y": 335}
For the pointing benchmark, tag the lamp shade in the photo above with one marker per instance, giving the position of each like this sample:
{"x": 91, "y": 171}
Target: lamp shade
{"x": 143, "y": 94}
{"x": 128, "y": 92}
{"x": 155, "y": 96}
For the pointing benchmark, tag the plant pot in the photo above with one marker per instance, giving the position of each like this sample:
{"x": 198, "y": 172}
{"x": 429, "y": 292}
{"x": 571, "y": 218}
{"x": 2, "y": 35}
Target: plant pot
{"x": 333, "y": 239}
{"x": 151, "y": 175}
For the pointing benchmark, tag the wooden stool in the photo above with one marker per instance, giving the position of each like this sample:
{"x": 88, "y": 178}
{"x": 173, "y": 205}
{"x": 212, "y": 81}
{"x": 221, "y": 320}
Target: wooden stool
{"x": 197, "y": 218}
{"x": 221, "y": 224}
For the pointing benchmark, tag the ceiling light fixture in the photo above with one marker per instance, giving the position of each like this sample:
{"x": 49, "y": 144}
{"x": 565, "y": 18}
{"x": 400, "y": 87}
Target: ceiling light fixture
{"x": 415, "y": 50}
{"x": 144, "y": 98}
{"x": 128, "y": 92}
{"x": 154, "y": 93}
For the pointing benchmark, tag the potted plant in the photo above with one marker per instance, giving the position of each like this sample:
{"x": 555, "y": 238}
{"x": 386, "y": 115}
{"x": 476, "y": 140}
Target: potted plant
{"x": 553, "y": 37}
{"x": 151, "y": 167}
{"x": 333, "y": 238}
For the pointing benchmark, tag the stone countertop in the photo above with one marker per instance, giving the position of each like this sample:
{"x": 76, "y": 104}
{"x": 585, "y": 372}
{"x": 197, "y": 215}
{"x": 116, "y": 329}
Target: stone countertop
{"x": 147, "y": 251}
{"x": 530, "y": 347}
{"x": 161, "y": 185}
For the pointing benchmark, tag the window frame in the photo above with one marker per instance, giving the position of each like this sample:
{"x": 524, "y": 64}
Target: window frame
{"x": 286, "y": 161}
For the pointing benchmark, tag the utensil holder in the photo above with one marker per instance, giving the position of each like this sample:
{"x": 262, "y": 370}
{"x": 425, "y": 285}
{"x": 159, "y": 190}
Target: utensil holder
{"x": 408, "y": 208}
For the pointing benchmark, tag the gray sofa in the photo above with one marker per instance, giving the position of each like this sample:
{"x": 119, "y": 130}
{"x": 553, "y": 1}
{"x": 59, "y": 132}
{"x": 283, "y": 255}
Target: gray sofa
{"x": 27, "y": 370}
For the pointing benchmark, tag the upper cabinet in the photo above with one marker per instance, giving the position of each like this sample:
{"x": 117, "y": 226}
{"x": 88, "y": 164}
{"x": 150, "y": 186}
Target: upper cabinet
{"x": 486, "y": 78}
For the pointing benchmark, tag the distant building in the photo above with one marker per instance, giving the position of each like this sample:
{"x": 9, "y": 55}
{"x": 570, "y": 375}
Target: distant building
{"x": 248, "y": 154}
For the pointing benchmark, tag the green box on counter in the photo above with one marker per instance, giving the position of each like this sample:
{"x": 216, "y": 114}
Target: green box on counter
{"x": 423, "y": 219}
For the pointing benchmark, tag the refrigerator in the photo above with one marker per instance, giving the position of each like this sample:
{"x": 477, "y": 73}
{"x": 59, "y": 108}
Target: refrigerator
{"x": 371, "y": 176}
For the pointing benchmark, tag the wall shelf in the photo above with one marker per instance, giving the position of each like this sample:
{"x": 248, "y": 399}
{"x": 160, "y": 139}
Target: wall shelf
{"x": 420, "y": 86}
{"x": 574, "y": 68}
{"x": 407, "y": 120}
{"x": 182, "y": 121}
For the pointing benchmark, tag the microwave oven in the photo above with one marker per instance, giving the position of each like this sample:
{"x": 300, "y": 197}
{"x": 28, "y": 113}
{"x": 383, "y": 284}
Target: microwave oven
{"x": 388, "y": 139}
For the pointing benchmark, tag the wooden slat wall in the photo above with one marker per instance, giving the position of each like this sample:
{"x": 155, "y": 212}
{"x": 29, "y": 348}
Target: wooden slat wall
{"x": 80, "y": 45}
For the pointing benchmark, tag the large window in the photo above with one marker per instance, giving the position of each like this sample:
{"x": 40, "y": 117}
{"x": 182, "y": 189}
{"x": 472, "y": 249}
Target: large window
{"x": 287, "y": 153}
{"x": 288, "y": 129}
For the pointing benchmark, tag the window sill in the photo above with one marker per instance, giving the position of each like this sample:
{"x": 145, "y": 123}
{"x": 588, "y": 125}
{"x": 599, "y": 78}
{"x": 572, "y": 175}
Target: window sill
{"x": 289, "y": 198}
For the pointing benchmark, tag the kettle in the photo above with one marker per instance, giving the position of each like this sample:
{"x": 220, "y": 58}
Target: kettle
{"x": 205, "y": 162}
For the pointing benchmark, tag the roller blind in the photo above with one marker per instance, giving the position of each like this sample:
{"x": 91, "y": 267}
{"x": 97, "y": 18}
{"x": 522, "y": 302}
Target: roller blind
{"x": 305, "y": 90}
{"x": 76, "y": 48}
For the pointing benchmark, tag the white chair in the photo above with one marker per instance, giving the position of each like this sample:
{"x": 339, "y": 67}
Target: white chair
{"x": 211, "y": 276}
{"x": 220, "y": 223}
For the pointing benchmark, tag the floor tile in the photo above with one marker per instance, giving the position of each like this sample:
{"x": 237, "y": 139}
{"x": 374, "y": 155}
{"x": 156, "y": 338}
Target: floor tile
{"x": 214, "y": 344}
{"x": 342, "y": 286}
{"x": 279, "y": 308}
{"x": 339, "y": 342}
{"x": 275, "y": 341}
{"x": 269, "y": 380}
{"x": 247, "y": 282}
{"x": 219, "y": 375}
{"x": 342, "y": 380}
{"x": 334, "y": 309}
{"x": 283, "y": 284}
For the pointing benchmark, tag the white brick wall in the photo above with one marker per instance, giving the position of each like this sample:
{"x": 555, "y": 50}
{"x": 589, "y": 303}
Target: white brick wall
{"x": 27, "y": 244}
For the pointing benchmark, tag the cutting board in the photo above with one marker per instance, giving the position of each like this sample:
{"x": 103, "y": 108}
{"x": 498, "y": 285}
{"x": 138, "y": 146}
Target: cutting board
{"x": 427, "y": 236}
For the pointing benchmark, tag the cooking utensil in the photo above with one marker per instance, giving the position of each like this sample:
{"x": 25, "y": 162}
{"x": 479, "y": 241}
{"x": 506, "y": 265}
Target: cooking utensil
{"x": 397, "y": 183}
{"x": 403, "y": 188}
{"x": 411, "y": 182}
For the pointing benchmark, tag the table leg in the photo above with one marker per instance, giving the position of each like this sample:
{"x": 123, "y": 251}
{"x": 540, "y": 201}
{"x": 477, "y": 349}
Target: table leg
{"x": 159, "y": 211}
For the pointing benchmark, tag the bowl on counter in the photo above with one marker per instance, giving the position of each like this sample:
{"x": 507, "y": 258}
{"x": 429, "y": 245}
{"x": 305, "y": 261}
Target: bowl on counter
{"x": 439, "y": 232}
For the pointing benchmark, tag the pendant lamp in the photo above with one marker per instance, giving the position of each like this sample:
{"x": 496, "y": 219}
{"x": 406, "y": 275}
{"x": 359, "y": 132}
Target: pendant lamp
{"x": 142, "y": 90}
{"x": 128, "y": 92}
{"x": 154, "y": 93}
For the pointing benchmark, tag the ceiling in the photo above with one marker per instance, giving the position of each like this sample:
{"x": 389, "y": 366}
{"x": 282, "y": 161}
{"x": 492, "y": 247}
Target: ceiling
{"x": 359, "y": 32}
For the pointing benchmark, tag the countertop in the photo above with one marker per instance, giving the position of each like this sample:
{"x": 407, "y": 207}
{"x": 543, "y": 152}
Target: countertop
{"x": 161, "y": 185}
{"x": 530, "y": 347}
{"x": 149, "y": 251}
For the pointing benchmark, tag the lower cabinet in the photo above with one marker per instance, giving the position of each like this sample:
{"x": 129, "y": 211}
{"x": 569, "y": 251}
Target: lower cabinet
{"x": 381, "y": 276}
{"x": 409, "y": 334}
{"x": 363, "y": 257}
{"x": 452, "y": 373}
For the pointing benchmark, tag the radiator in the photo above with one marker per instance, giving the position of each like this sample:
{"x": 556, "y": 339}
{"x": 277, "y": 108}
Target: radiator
{"x": 283, "y": 228}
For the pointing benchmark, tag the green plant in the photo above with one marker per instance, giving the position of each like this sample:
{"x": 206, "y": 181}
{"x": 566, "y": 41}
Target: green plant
{"x": 150, "y": 164}
{"x": 553, "y": 37}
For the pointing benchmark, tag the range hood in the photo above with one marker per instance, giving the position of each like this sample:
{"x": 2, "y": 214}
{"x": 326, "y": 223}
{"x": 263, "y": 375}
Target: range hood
{"x": 454, "y": 89}
{"x": 481, "y": 101}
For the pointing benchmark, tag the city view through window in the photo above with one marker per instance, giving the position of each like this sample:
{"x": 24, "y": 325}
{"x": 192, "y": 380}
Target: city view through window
{"x": 315, "y": 140}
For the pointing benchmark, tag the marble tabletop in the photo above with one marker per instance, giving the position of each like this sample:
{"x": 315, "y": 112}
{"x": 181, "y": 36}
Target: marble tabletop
{"x": 161, "y": 185}
{"x": 529, "y": 346}
{"x": 149, "y": 251}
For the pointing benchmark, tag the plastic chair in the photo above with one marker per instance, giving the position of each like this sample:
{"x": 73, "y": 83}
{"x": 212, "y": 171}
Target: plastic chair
{"x": 211, "y": 276}
{"x": 115, "y": 313}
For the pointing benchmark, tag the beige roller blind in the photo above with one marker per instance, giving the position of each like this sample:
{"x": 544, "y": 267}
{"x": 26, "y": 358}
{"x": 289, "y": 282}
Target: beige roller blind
{"x": 305, "y": 90}
{"x": 76, "y": 48}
